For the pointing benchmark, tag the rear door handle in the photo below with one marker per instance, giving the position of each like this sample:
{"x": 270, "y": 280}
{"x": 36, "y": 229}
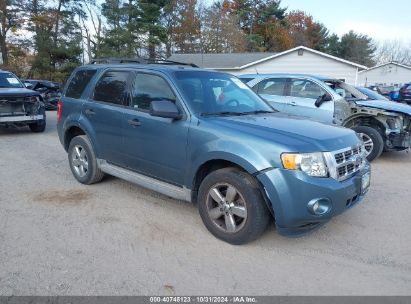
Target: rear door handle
{"x": 134, "y": 122}
{"x": 89, "y": 112}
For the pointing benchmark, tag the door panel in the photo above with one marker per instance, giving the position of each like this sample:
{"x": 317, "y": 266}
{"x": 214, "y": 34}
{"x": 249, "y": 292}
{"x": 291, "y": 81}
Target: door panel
{"x": 105, "y": 111}
{"x": 303, "y": 94}
{"x": 107, "y": 122}
{"x": 154, "y": 146}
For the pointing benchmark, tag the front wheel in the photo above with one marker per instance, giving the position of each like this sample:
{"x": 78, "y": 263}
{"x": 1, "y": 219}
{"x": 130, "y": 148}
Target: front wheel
{"x": 232, "y": 207}
{"x": 373, "y": 141}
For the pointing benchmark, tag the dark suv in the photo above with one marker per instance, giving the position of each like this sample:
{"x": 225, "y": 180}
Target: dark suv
{"x": 20, "y": 106}
{"x": 205, "y": 137}
{"x": 405, "y": 94}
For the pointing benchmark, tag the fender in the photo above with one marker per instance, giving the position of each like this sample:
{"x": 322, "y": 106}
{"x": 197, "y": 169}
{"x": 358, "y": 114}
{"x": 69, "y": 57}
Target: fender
{"x": 78, "y": 120}
{"x": 221, "y": 150}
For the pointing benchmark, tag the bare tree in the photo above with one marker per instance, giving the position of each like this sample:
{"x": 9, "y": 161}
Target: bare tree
{"x": 393, "y": 50}
{"x": 92, "y": 36}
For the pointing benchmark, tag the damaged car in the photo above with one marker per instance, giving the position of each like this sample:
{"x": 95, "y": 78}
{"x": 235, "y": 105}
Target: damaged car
{"x": 20, "y": 106}
{"x": 50, "y": 91}
{"x": 382, "y": 125}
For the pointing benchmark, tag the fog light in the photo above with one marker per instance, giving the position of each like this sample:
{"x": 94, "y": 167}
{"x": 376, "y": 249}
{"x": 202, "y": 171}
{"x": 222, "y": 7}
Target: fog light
{"x": 319, "y": 206}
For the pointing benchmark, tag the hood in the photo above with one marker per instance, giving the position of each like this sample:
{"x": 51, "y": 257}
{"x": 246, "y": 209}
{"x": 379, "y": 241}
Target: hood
{"x": 17, "y": 92}
{"x": 385, "y": 105}
{"x": 291, "y": 132}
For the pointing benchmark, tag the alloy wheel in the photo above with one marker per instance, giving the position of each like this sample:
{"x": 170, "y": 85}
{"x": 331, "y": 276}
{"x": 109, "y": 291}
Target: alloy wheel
{"x": 226, "y": 207}
{"x": 79, "y": 160}
{"x": 368, "y": 143}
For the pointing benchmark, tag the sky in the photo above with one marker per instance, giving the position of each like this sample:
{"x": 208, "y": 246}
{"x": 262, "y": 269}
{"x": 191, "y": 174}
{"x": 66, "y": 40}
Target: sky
{"x": 379, "y": 19}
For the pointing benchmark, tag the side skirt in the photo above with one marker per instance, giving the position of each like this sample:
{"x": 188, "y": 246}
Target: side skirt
{"x": 180, "y": 193}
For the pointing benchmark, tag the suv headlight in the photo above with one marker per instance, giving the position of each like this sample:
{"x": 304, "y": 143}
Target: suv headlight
{"x": 311, "y": 163}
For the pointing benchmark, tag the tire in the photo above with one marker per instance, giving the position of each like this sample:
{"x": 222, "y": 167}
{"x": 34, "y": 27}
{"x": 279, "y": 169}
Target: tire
{"x": 38, "y": 127}
{"x": 248, "y": 210}
{"x": 371, "y": 135}
{"x": 83, "y": 161}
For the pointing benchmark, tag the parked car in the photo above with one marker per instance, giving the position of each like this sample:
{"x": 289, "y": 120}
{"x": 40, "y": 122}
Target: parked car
{"x": 405, "y": 94}
{"x": 20, "y": 106}
{"x": 382, "y": 125}
{"x": 371, "y": 95}
{"x": 173, "y": 129}
{"x": 49, "y": 90}
{"x": 382, "y": 90}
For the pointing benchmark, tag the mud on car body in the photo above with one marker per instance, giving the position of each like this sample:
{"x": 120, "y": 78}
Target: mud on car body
{"x": 20, "y": 106}
{"x": 383, "y": 125}
{"x": 205, "y": 137}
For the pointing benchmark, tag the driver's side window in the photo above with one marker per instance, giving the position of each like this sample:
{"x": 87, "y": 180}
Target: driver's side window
{"x": 149, "y": 87}
{"x": 305, "y": 89}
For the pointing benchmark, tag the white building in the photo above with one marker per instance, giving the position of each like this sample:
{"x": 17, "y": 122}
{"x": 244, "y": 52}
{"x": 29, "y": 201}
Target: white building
{"x": 387, "y": 74}
{"x": 299, "y": 60}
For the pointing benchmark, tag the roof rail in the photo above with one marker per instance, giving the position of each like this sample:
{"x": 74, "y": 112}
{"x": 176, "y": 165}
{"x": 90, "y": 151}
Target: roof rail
{"x": 113, "y": 60}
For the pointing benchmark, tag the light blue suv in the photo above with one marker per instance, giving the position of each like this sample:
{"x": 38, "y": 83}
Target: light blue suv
{"x": 382, "y": 125}
{"x": 206, "y": 138}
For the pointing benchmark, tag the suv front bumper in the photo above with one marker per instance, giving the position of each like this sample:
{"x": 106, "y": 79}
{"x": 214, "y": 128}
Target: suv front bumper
{"x": 289, "y": 193}
{"x": 21, "y": 118}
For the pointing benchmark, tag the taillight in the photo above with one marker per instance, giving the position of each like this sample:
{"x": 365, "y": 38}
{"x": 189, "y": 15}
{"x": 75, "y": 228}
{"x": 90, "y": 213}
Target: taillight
{"x": 59, "y": 110}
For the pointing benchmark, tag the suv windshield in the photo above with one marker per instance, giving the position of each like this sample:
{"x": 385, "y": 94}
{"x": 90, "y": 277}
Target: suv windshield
{"x": 8, "y": 80}
{"x": 213, "y": 93}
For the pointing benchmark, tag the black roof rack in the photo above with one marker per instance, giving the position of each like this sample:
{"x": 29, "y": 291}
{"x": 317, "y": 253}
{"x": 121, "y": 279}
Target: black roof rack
{"x": 113, "y": 60}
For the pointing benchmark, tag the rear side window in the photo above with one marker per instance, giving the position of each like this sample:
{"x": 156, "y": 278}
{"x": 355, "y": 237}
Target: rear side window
{"x": 272, "y": 86}
{"x": 147, "y": 88}
{"x": 79, "y": 82}
{"x": 112, "y": 87}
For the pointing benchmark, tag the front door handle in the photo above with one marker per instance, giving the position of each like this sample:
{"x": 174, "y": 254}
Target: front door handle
{"x": 134, "y": 122}
{"x": 89, "y": 112}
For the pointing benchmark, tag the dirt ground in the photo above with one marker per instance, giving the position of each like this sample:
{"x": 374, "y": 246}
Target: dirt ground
{"x": 58, "y": 237}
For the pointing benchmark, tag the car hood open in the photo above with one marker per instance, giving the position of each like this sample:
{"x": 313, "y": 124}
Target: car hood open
{"x": 385, "y": 105}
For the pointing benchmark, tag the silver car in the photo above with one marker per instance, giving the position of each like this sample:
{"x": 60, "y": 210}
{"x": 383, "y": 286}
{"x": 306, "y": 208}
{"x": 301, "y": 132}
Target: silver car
{"x": 382, "y": 125}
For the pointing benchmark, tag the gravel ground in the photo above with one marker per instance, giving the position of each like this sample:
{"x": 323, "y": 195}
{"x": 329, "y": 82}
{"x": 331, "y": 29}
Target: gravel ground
{"x": 58, "y": 237}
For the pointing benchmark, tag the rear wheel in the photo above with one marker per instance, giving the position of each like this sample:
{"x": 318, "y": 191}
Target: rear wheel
{"x": 38, "y": 127}
{"x": 83, "y": 162}
{"x": 373, "y": 141}
{"x": 232, "y": 206}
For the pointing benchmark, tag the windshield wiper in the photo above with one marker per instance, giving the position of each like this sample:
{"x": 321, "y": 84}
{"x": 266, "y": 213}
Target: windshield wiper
{"x": 224, "y": 113}
{"x": 259, "y": 112}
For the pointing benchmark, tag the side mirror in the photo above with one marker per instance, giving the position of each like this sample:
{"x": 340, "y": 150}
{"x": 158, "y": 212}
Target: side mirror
{"x": 321, "y": 99}
{"x": 165, "y": 109}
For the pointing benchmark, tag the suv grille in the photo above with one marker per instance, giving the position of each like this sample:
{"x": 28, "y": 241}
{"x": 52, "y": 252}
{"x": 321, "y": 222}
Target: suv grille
{"x": 348, "y": 162}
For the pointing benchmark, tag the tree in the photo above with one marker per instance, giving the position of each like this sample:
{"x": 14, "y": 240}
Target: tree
{"x": 120, "y": 33}
{"x": 333, "y": 45}
{"x": 220, "y": 31}
{"x": 357, "y": 48}
{"x": 263, "y": 23}
{"x": 305, "y": 31}
{"x": 149, "y": 24}
{"x": 186, "y": 31}
{"x": 393, "y": 50}
{"x": 56, "y": 37}
{"x": 10, "y": 20}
